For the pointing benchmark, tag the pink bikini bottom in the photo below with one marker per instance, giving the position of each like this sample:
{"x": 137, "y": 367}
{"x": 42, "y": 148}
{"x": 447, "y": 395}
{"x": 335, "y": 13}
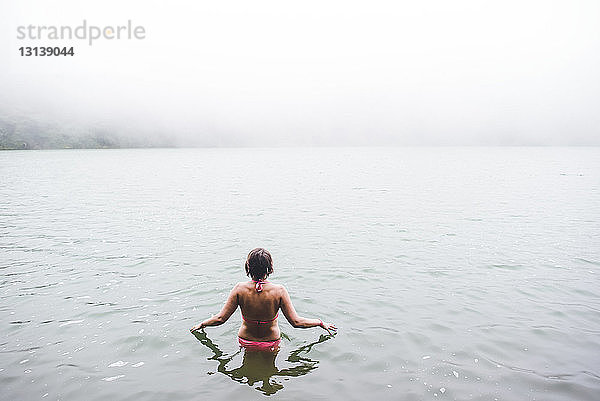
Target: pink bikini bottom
{"x": 260, "y": 345}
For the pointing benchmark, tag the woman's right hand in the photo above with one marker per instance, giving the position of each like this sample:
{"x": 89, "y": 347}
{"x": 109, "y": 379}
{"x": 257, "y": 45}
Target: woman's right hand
{"x": 197, "y": 327}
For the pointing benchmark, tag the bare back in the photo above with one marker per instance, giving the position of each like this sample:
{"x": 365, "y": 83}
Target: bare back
{"x": 259, "y": 311}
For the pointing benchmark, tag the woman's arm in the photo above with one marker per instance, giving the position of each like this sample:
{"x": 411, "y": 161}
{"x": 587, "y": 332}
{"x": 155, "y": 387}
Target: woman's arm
{"x": 230, "y": 306}
{"x": 297, "y": 321}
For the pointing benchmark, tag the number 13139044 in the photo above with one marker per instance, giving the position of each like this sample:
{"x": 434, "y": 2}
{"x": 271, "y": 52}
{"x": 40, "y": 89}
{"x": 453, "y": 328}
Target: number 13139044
{"x": 46, "y": 51}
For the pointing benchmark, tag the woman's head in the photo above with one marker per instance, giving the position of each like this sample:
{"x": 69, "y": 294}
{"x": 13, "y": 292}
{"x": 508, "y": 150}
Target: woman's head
{"x": 259, "y": 264}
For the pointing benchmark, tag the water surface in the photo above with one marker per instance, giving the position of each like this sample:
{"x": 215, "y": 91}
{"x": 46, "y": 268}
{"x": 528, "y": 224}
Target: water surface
{"x": 453, "y": 273}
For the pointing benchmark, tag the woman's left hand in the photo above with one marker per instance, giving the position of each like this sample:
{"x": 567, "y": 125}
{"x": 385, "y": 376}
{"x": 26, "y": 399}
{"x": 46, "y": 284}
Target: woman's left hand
{"x": 330, "y": 328}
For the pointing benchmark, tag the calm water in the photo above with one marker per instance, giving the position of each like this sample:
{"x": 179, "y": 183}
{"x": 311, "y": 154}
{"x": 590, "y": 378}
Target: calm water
{"x": 453, "y": 273}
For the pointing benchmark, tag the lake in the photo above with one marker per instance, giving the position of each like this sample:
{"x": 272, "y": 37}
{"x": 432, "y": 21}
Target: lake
{"x": 452, "y": 273}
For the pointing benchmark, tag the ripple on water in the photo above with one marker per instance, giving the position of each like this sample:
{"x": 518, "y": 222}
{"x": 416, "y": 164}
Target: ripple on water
{"x": 70, "y": 322}
{"x": 112, "y": 378}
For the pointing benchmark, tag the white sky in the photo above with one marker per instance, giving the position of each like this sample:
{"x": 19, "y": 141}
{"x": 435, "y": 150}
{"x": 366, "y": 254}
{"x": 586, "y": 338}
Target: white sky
{"x": 319, "y": 72}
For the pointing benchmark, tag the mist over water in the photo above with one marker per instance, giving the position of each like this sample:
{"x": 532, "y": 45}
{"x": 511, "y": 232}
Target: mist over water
{"x": 453, "y": 273}
{"x": 268, "y": 73}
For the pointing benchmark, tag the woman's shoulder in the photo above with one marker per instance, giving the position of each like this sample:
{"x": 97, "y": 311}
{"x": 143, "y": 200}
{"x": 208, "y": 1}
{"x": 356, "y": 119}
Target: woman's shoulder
{"x": 240, "y": 285}
{"x": 279, "y": 288}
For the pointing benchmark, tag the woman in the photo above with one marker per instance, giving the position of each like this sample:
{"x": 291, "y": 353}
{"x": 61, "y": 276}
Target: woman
{"x": 260, "y": 301}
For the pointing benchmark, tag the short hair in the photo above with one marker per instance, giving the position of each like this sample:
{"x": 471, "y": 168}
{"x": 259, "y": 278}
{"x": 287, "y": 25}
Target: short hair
{"x": 259, "y": 264}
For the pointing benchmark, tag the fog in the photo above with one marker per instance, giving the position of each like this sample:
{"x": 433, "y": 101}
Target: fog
{"x": 314, "y": 73}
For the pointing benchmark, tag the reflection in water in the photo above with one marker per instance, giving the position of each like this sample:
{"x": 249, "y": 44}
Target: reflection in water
{"x": 259, "y": 366}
